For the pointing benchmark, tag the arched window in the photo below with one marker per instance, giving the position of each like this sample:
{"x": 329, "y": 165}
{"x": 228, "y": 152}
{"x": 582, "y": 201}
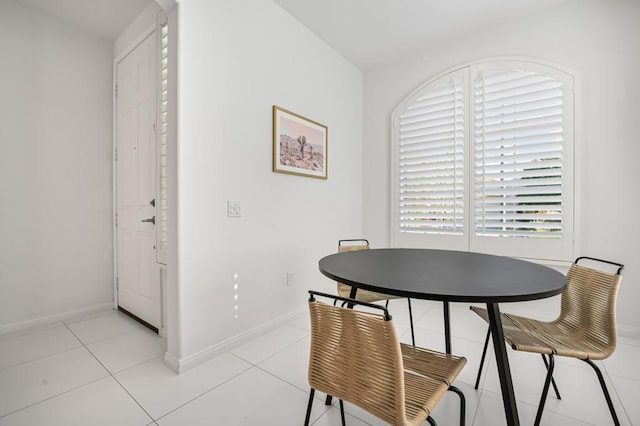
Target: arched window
{"x": 483, "y": 161}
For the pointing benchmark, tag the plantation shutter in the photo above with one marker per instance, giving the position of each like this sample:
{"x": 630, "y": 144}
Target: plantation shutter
{"x": 519, "y": 120}
{"x": 430, "y": 161}
{"x": 483, "y": 161}
{"x": 162, "y": 230}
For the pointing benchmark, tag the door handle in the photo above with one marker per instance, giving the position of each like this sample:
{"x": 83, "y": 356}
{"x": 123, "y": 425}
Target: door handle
{"x": 151, "y": 219}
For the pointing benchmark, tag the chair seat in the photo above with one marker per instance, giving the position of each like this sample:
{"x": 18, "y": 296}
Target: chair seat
{"x": 355, "y": 356}
{"x": 421, "y": 395}
{"x": 555, "y": 337}
{"x": 344, "y": 290}
{"x": 585, "y": 329}
{"x": 426, "y": 373}
{"x": 439, "y": 366}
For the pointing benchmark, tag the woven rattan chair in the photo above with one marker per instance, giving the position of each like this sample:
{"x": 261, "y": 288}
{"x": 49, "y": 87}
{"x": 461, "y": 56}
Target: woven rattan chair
{"x": 585, "y": 328}
{"x": 356, "y": 356}
{"x": 344, "y": 290}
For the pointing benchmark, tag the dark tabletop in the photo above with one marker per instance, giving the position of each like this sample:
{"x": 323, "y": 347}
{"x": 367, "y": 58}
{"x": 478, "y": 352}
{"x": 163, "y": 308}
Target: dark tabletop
{"x": 444, "y": 275}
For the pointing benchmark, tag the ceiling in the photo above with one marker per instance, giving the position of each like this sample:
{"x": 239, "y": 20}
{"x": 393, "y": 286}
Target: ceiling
{"x": 366, "y": 32}
{"x": 370, "y": 32}
{"x": 106, "y": 18}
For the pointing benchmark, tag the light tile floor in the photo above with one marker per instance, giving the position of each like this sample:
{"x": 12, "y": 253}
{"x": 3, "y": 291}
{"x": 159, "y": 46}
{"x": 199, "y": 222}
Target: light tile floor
{"x": 106, "y": 369}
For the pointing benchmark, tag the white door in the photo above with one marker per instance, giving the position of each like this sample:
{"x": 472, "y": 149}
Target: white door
{"x": 138, "y": 273}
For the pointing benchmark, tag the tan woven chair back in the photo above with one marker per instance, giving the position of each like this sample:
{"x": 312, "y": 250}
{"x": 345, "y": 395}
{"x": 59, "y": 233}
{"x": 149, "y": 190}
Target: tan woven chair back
{"x": 588, "y": 309}
{"x": 344, "y": 290}
{"x": 355, "y": 356}
{"x": 352, "y": 247}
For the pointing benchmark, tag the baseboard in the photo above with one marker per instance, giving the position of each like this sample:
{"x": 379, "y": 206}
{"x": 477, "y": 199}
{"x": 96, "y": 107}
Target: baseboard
{"x": 180, "y": 365}
{"x": 52, "y": 319}
{"x": 172, "y": 362}
{"x": 629, "y": 332}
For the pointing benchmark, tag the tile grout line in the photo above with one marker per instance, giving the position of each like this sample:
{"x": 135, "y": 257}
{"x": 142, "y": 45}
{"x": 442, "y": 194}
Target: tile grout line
{"x": 273, "y": 354}
{"x": 52, "y": 397}
{"x": 327, "y": 408}
{"x": 81, "y": 346}
{"x": 110, "y": 373}
{"x": 135, "y": 328}
{"x": 213, "y": 388}
{"x": 615, "y": 389}
{"x": 259, "y": 366}
{"x": 41, "y": 358}
{"x": 481, "y": 389}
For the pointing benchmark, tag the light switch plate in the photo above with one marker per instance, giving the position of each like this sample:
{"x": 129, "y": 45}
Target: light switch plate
{"x": 234, "y": 209}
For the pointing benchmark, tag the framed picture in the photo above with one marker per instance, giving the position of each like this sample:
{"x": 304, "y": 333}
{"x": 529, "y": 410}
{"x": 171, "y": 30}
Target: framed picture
{"x": 299, "y": 145}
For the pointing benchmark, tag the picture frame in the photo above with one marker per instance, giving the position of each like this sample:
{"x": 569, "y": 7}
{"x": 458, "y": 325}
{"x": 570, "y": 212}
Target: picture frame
{"x": 299, "y": 145}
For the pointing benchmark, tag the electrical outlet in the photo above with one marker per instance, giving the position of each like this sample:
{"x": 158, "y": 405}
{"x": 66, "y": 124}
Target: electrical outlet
{"x": 289, "y": 279}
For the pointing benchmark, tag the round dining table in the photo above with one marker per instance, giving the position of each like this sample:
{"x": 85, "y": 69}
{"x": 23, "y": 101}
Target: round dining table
{"x": 450, "y": 276}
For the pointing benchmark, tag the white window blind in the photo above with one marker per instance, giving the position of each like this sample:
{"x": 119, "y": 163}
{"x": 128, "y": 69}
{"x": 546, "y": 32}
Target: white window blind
{"x": 431, "y": 161}
{"x": 483, "y": 161}
{"x": 162, "y": 229}
{"x": 518, "y": 155}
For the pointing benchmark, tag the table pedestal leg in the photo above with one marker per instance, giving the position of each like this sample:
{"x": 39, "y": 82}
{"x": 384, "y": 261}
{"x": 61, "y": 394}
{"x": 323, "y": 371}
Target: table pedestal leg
{"x": 504, "y": 373}
{"x": 447, "y": 327}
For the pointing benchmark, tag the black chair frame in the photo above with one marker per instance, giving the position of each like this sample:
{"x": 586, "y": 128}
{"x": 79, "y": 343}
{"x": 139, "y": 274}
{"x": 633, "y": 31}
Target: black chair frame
{"x": 550, "y": 364}
{"x": 350, "y": 304}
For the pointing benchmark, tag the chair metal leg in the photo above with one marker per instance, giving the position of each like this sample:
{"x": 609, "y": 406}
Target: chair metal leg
{"x": 553, "y": 381}
{"x": 342, "y": 413}
{"x": 603, "y": 385}
{"x": 431, "y": 421}
{"x": 328, "y": 400}
{"x": 545, "y": 391}
{"x": 413, "y": 336}
{"x": 463, "y": 404}
{"x": 306, "y": 419}
{"x": 484, "y": 354}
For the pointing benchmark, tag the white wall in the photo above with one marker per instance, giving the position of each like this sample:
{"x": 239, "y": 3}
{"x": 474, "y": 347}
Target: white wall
{"x": 237, "y": 58}
{"x": 598, "y": 40}
{"x": 55, "y": 168}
